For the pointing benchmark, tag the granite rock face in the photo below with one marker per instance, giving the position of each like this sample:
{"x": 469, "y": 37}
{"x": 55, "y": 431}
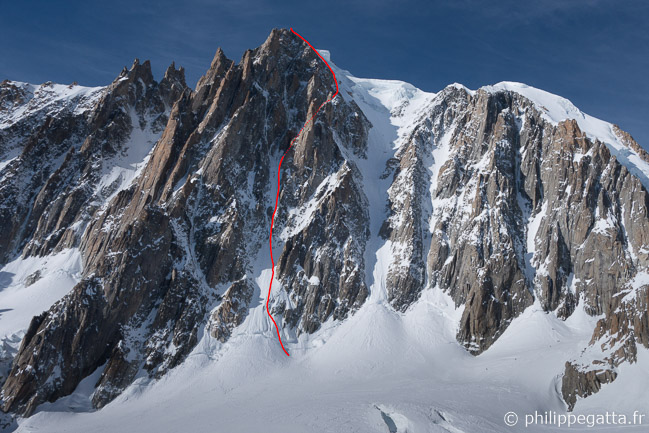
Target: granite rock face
{"x": 175, "y": 247}
{"x": 524, "y": 209}
{"x": 64, "y": 140}
{"x": 167, "y": 192}
{"x": 79, "y": 147}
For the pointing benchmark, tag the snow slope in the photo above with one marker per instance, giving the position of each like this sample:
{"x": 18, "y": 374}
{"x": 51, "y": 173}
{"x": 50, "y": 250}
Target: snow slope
{"x": 21, "y": 299}
{"x": 118, "y": 172}
{"x": 406, "y": 365}
{"x": 28, "y": 287}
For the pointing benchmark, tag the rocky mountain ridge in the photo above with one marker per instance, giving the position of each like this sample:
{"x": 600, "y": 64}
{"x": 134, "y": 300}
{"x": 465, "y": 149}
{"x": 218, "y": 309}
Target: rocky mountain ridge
{"x": 503, "y": 198}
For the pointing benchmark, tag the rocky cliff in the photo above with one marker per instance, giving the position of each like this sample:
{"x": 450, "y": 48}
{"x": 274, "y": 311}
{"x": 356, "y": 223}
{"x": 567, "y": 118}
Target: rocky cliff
{"x": 496, "y": 197}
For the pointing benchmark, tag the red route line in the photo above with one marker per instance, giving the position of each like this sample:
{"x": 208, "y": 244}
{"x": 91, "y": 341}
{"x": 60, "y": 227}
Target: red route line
{"x": 272, "y": 220}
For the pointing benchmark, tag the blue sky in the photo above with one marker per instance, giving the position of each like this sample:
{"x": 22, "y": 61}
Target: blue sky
{"x": 594, "y": 52}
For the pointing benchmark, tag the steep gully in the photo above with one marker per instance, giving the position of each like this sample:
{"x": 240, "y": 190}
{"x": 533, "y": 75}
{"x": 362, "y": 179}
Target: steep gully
{"x": 279, "y": 169}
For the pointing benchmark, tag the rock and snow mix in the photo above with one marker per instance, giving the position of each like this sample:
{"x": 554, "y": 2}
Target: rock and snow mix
{"x": 442, "y": 258}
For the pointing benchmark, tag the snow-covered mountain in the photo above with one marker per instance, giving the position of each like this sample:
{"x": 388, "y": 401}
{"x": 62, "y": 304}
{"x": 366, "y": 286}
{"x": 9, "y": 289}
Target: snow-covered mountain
{"x": 441, "y": 259}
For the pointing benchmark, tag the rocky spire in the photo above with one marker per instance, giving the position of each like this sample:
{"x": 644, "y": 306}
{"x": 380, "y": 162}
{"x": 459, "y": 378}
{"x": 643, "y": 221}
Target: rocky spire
{"x": 208, "y": 84}
{"x": 173, "y": 83}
